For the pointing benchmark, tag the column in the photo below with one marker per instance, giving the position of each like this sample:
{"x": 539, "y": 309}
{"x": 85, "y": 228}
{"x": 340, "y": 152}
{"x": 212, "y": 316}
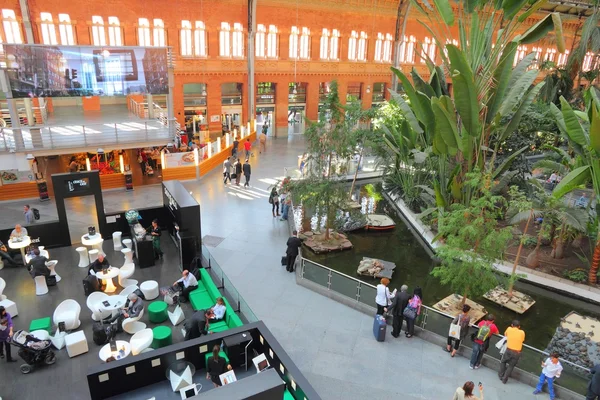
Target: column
{"x": 150, "y": 102}
{"x": 342, "y": 90}
{"x": 251, "y": 84}
{"x": 312, "y": 100}
{"x": 15, "y": 123}
{"x": 367, "y": 95}
{"x": 170, "y": 105}
{"x": 281, "y": 108}
{"x": 213, "y": 104}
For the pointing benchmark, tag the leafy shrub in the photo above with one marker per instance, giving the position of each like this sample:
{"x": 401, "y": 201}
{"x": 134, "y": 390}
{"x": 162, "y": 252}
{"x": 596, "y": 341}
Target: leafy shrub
{"x": 529, "y": 241}
{"x": 576, "y": 275}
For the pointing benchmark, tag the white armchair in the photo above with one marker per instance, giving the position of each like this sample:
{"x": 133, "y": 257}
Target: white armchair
{"x": 93, "y": 303}
{"x": 176, "y": 316}
{"x": 41, "y": 287}
{"x": 2, "y": 287}
{"x": 68, "y": 312}
{"x": 125, "y": 273}
{"x": 133, "y": 325}
{"x": 128, "y": 290}
{"x": 141, "y": 340}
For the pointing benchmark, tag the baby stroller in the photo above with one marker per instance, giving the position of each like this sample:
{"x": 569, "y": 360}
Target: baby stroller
{"x": 33, "y": 351}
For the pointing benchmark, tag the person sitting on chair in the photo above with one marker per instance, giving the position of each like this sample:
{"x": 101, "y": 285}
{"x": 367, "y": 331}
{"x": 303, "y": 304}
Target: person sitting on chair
{"x": 187, "y": 283}
{"x": 216, "y": 313}
{"x": 133, "y": 308}
{"x": 216, "y": 366}
{"x": 18, "y": 232}
{"x": 5, "y": 255}
{"x": 98, "y": 265}
{"x": 37, "y": 265}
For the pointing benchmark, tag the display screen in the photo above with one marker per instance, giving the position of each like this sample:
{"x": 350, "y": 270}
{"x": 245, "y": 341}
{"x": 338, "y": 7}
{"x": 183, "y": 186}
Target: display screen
{"x": 190, "y": 393}
{"x": 78, "y": 185}
{"x": 67, "y": 71}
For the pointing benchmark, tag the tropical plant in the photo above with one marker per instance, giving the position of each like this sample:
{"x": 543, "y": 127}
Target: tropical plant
{"x": 473, "y": 240}
{"x": 576, "y": 275}
{"x": 582, "y": 130}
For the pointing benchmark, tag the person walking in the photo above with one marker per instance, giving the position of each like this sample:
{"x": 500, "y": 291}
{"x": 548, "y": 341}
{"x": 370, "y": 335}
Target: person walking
{"x": 593, "y": 391}
{"x": 28, "y": 213}
{"x": 262, "y": 141}
{"x": 237, "y": 170}
{"x": 551, "y": 370}
{"x": 247, "y": 171}
{"x": 481, "y": 342}
{"x": 6, "y": 334}
{"x": 455, "y": 338}
{"x": 414, "y": 303}
{"x": 466, "y": 392}
{"x": 226, "y": 170}
{"x": 293, "y": 246}
{"x": 383, "y": 296}
{"x": 142, "y": 159}
{"x": 396, "y": 309}
{"x": 234, "y": 149}
{"x": 155, "y": 233}
{"x": 247, "y": 147}
{"x": 514, "y": 344}
{"x": 274, "y": 201}
{"x": 285, "y": 206}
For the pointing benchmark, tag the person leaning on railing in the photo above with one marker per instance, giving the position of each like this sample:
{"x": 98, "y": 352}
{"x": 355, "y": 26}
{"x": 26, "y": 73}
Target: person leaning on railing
{"x": 514, "y": 344}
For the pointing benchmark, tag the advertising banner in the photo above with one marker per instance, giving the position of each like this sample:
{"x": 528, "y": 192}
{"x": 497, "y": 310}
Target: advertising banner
{"x": 174, "y": 160}
{"x": 67, "y": 71}
{"x": 9, "y": 176}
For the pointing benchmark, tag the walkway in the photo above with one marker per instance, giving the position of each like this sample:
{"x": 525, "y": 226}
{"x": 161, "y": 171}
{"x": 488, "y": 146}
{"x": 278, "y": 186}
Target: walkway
{"x": 332, "y": 344}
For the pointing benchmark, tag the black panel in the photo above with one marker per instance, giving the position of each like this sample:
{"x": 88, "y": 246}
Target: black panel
{"x": 48, "y": 234}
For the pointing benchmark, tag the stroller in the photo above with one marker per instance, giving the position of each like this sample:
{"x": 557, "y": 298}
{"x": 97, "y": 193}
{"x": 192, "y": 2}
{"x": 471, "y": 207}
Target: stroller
{"x": 33, "y": 351}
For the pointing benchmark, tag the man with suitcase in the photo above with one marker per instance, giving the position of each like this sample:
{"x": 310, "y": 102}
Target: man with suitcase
{"x": 399, "y": 303}
{"x": 293, "y": 246}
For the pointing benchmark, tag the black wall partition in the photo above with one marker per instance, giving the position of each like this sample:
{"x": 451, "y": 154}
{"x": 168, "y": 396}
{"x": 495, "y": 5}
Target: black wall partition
{"x": 48, "y": 234}
{"x": 135, "y": 372}
{"x": 77, "y": 184}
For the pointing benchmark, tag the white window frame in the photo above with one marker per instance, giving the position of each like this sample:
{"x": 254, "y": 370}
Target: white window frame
{"x": 520, "y": 54}
{"x": 225, "y": 40}
{"x": 115, "y": 36}
{"x": 185, "y": 43}
{"x": 324, "y": 44}
{"x": 12, "y": 29}
{"x": 158, "y": 32}
{"x": 550, "y": 54}
{"x": 378, "y": 57}
{"x": 362, "y": 46}
{"x": 200, "y": 49}
{"x": 237, "y": 41}
{"x": 272, "y": 44}
{"x": 259, "y": 41}
{"x": 65, "y": 29}
{"x": 387, "y": 48}
{"x": 352, "y": 39}
{"x": 428, "y": 50}
{"x": 144, "y": 32}
{"x": 48, "y": 29}
{"x": 304, "y": 48}
{"x": 334, "y": 45}
{"x": 98, "y": 31}
{"x": 294, "y": 42}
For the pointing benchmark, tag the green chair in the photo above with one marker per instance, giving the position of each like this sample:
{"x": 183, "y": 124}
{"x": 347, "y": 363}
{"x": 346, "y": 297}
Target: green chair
{"x": 162, "y": 337}
{"x": 287, "y": 395}
{"x": 41, "y": 324}
{"x": 157, "y": 312}
{"x": 221, "y": 354}
{"x": 200, "y": 300}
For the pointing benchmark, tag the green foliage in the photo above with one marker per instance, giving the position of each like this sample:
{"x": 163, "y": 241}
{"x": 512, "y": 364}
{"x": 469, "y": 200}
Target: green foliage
{"x": 529, "y": 241}
{"x": 373, "y": 192}
{"x": 473, "y": 241}
{"x": 576, "y": 275}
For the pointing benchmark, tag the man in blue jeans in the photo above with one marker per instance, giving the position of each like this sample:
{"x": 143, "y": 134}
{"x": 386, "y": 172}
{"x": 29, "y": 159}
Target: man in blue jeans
{"x": 481, "y": 342}
{"x": 551, "y": 371}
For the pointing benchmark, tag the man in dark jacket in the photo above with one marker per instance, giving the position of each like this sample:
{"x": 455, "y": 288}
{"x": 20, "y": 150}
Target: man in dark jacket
{"x": 594, "y": 387}
{"x": 293, "y": 245}
{"x": 238, "y": 171}
{"x": 247, "y": 170}
{"x": 399, "y": 303}
{"x": 37, "y": 265}
{"x": 98, "y": 265}
{"x": 194, "y": 326}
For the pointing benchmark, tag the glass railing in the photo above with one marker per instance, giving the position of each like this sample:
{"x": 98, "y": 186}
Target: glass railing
{"x": 574, "y": 377}
{"x": 226, "y": 287}
{"x": 368, "y": 165}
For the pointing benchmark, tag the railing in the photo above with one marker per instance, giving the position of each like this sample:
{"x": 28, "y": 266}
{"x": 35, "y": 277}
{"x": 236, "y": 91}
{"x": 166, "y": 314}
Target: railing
{"x": 573, "y": 377}
{"x": 227, "y": 288}
{"x": 72, "y": 136}
{"x": 160, "y": 114}
{"x": 368, "y": 165}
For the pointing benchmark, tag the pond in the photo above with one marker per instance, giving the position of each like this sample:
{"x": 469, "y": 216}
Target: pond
{"x": 413, "y": 267}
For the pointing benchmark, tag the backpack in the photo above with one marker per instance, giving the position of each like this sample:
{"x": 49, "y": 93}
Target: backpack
{"x": 90, "y": 285}
{"x": 483, "y": 333}
{"x": 36, "y": 213}
{"x": 102, "y": 333}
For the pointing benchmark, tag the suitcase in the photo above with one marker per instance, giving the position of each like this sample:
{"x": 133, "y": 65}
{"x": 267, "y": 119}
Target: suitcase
{"x": 284, "y": 261}
{"x": 379, "y": 328}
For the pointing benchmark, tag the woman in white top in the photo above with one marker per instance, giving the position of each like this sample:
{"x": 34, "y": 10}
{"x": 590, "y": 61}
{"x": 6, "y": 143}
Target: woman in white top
{"x": 466, "y": 392}
{"x": 383, "y": 296}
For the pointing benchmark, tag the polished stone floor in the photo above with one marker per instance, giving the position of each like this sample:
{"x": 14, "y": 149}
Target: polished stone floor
{"x": 332, "y": 344}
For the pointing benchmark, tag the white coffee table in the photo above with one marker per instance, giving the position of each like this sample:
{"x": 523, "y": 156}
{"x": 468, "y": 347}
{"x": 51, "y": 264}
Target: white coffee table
{"x": 105, "y": 351}
{"x": 92, "y": 240}
{"x": 111, "y": 273}
{"x": 115, "y": 303}
{"x": 20, "y": 244}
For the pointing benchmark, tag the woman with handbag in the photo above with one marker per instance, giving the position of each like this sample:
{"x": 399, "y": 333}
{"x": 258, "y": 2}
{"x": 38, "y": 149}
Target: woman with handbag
{"x": 274, "y": 201}
{"x": 412, "y": 311}
{"x": 459, "y": 329}
{"x": 383, "y": 297}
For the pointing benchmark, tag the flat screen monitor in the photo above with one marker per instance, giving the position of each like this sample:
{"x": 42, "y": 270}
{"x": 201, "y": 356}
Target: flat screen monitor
{"x": 188, "y": 391}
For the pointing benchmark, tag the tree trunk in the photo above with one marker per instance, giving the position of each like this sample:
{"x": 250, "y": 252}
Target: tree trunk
{"x": 559, "y": 244}
{"x": 464, "y": 298}
{"x": 533, "y": 259}
{"x": 593, "y": 277}
{"x": 356, "y": 173}
{"x": 518, "y": 256}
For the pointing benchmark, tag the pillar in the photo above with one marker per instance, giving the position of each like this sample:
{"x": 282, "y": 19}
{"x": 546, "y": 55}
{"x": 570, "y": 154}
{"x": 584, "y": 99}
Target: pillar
{"x": 312, "y": 100}
{"x": 213, "y": 105}
{"x": 281, "y": 108}
{"x": 150, "y": 102}
{"x": 367, "y": 97}
{"x": 29, "y": 112}
{"x": 170, "y": 104}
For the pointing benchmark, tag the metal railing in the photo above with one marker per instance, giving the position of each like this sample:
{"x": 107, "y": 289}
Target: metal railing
{"x": 226, "y": 287}
{"x": 574, "y": 377}
{"x": 72, "y": 136}
{"x": 368, "y": 165}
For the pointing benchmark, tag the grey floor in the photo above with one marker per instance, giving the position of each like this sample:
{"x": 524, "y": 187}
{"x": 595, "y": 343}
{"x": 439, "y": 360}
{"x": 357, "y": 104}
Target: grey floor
{"x": 332, "y": 344}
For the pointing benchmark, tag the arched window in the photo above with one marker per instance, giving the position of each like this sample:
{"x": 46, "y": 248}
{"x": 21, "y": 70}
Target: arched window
{"x": 48, "y": 29}
{"x": 114, "y": 32}
{"x": 259, "y": 41}
{"x": 186, "y": 38}
{"x": 144, "y": 32}
{"x": 237, "y": 42}
{"x": 98, "y": 32}
{"x": 158, "y": 32}
{"x": 65, "y": 29}
{"x": 304, "y": 52}
{"x": 334, "y": 45}
{"x": 200, "y": 39}
{"x": 225, "y": 40}
{"x": 272, "y": 42}
{"x": 324, "y": 45}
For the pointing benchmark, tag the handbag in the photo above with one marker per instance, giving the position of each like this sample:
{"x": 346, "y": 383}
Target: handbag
{"x": 284, "y": 260}
{"x": 233, "y": 176}
{"x": 270, "y": 199}
{"x": 409, "y": 312}
{"x": 501, "y": 345}
{"x": 454, "y": 331}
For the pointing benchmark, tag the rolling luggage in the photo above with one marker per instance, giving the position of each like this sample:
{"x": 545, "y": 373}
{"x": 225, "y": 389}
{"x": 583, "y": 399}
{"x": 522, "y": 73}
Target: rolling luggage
{"x": 379, "y": 328}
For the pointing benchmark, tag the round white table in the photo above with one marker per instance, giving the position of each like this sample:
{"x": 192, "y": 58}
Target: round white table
{"x": 91, "y": 241}
{"x": 20, "y": 244}
{"x": 51, "y": 265}
{"x": 115, "y": 303}
{"x": 123, "y": 350}
{"x": 111, "y": 273}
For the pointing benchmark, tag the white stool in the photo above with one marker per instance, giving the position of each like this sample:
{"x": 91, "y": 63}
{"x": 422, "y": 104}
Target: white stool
{"x": 117, "y": 241}
{"x": 84, "y": 259}
{"x": 93, "y": 255}
{"x": 128, "y": 254}
{"x": 51, "y": 265}
{"x": 10, "y": 307}
{"x": 98, "y": 246}
{"x": 40, "y": 285}
{"x": 149, "y": 289}
{"x": 128, "y": 243}
{"x": 76, "y": 344}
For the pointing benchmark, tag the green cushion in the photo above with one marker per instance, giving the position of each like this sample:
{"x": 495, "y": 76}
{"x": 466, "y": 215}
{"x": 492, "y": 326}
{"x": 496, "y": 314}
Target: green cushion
{"x": 200, "y": 300}
{"x": 157, "y": 312}
{"x": 287, "y": 395}
{"x": 162, "y": 336}
{"x": 41, "y": 323}
{"x": 216, "y": 325}
{"x": 219, "y": 328}
{"x": 201, "y": 288}
{"x": 235, "y": 321}
{"x": 221, "y": 354}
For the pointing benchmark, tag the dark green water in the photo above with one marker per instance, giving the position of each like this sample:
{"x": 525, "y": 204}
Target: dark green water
{"x": 413, "y": 267}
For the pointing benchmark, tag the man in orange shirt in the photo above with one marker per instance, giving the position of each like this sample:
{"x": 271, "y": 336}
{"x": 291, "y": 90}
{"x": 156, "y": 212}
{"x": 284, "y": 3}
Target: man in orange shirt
{"x": 514, "y": 344}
